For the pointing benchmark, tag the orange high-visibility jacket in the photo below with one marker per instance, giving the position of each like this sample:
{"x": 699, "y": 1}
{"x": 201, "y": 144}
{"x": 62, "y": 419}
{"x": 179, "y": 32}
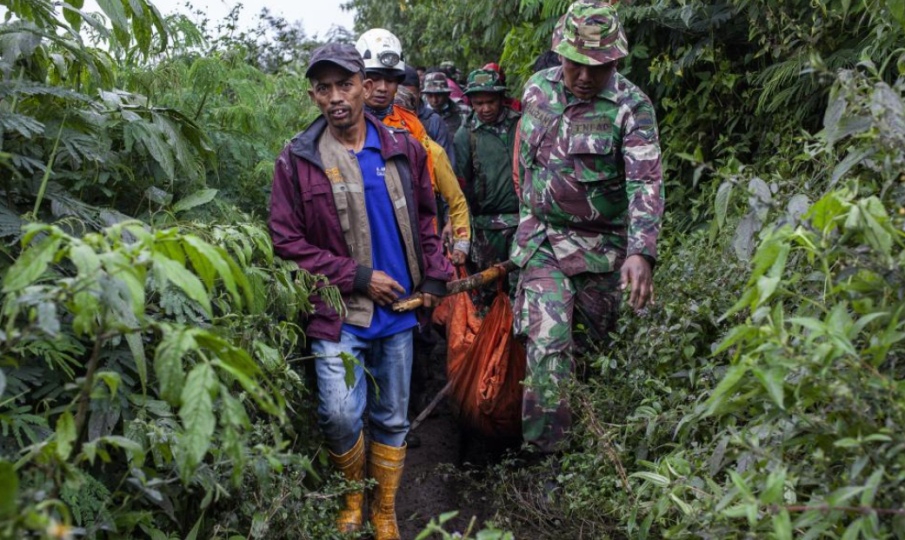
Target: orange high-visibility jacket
{"x": 402, "y": 118}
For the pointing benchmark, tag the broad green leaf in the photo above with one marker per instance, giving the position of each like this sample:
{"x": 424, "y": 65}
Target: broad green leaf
{"x": 897, "y": 9}
{"x": 66, "y": 435}
{"x": 766, "y": 286}
{"x": 117, "y": 14}
{"x": 9, "y": 489}
{"x": 85, "y": 259}
{"x": 168, "y": 362}
{"x": 31, "y": 264}
{"x": 137, "y": 348}
{"x": 197, "y": 415}
{"x": 721, "y": 204}
{"x": 188, "y": 282}
{"x": 198, "y": 198}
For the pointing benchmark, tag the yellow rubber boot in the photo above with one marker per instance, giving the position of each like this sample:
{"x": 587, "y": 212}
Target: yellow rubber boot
{"x": 385, "y": 465}
{"x": 352, "y": 465}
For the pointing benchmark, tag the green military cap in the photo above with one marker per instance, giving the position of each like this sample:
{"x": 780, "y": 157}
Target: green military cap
{"x": 436, "y": 83}
{"x": 484, "y": 80}
{"x": 590, "y": 33}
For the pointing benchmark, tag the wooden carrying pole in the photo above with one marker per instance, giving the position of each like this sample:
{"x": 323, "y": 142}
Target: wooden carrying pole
{"x": 470, "y": 283}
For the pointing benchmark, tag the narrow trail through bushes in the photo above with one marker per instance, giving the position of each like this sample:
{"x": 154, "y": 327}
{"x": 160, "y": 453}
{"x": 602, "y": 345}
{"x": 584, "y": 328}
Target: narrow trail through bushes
{"x": 428, "y": 487}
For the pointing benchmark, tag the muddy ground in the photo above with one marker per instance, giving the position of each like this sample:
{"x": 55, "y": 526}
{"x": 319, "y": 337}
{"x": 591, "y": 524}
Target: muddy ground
{"x": 428, "y": 489}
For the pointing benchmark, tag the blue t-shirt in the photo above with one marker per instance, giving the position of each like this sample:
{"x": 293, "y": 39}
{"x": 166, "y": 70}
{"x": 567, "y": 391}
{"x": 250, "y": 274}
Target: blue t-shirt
{"x": 388, "y": 253}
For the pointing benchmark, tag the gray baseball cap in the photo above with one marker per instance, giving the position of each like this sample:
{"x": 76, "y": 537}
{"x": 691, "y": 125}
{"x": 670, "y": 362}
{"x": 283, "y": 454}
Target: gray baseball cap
{"x": 343, "y": 55}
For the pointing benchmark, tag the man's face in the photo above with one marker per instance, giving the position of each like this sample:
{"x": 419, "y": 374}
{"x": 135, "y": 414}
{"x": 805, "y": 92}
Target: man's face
{"x": 584, "y": 81}
{"x": 339, "y": 94}
{"x": 437, "y": 101}
{"x": 487, "y": 106}
{"x": 383, "y": 90}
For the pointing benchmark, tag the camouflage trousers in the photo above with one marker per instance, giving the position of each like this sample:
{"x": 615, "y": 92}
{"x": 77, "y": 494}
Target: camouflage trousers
{"x": 548, "y": 306}
{"x": 490, "y": 247}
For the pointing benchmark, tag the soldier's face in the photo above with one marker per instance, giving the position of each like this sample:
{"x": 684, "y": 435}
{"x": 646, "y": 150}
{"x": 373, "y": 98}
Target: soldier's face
{"x": 437, "y": 101}
{"x": 339, "y": 95}
{"x": 584, "y": 81}
{"x": 383, "y": 91}
{"x": 487, "y": 106}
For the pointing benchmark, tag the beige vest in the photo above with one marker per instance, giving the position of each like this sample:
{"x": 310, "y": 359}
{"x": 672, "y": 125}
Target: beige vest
{"x": 344, "y": 172}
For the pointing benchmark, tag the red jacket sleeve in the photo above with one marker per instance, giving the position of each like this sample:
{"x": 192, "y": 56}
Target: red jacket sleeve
{"x": 437, "y": 269}
{"x": 288, "y": 232}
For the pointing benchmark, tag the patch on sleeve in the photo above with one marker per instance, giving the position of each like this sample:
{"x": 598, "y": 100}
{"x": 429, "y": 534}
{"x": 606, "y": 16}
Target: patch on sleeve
{"x": 645, "y": 123}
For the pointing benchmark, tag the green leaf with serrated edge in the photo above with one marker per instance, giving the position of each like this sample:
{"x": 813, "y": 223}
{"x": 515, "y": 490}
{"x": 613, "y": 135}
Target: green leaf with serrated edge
{"x": 776, "y": 484}
{"x": 65, "y": 435}
{"x": 198, "y": 198}
{"x": 271, "y": 403}
{"x": 116, "y": 12}
{"x": 198, "y": 420}
{"x": 31, "y": 265}
{"x": 168, "y": 364}
{"x": 85, "y": 259}
{"x": 782, "y": 525}
{"x": 137, "y": 348}
{"x": 721, "y": 203}
{"x": 186, "y": 281}
{"x": 871, "y": 487}
{"x": 732, "y": 377}
{"x": 216, "y": 259}
{"x": 9, "y": 490}
{"x": 773, "y": 381}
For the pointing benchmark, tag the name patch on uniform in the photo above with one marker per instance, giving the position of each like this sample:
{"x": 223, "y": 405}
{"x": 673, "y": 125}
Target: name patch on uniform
{"x": 591, "y": 126}
{"x": 546, "y": 119}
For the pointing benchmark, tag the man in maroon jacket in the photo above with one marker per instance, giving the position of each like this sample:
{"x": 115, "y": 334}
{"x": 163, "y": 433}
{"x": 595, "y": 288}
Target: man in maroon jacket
{"x": 352, "y": 201}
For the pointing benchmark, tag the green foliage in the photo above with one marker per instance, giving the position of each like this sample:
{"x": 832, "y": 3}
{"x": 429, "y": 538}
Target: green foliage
{"x": 146, "y": 364}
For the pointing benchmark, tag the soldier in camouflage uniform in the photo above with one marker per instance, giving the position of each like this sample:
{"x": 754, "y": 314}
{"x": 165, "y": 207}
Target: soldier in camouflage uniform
{"x": 591, "y": 206}
{"x": 484, "y": 146}
{"x": 436, "y": 92}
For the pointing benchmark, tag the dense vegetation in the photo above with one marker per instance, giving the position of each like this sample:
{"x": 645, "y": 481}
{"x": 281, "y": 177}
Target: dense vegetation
{"x": 763, "y": 396}
{"x": 151, "y": 379}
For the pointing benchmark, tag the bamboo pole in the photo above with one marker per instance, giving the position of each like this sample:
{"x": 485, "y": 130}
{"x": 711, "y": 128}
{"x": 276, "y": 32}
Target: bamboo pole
{"x": 470, "y": 283}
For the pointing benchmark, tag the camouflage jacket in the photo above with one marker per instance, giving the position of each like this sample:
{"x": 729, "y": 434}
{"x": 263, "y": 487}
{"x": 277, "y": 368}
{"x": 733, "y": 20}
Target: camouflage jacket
{"x": 484, "y": 167}
{"x": 592, "y": 181}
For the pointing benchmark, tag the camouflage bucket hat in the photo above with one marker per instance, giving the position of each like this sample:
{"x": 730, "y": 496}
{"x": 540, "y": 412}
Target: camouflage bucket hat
{"x": 436, "y": 83}
{"x": 484, "y": 80}
{"x": 590, "y": 33}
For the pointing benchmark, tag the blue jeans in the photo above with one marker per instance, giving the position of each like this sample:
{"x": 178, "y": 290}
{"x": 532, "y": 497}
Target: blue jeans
{"x": 340, "y": 408}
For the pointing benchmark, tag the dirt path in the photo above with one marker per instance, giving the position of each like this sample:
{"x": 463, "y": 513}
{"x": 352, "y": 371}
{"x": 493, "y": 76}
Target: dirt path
{"x": 427, "y": 489}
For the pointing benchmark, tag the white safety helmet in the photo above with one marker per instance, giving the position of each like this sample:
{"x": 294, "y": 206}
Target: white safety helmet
{"x": 382, "y": 51}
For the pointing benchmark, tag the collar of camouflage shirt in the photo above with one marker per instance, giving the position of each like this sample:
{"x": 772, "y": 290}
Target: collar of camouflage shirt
{"x": 609, "y": 91}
